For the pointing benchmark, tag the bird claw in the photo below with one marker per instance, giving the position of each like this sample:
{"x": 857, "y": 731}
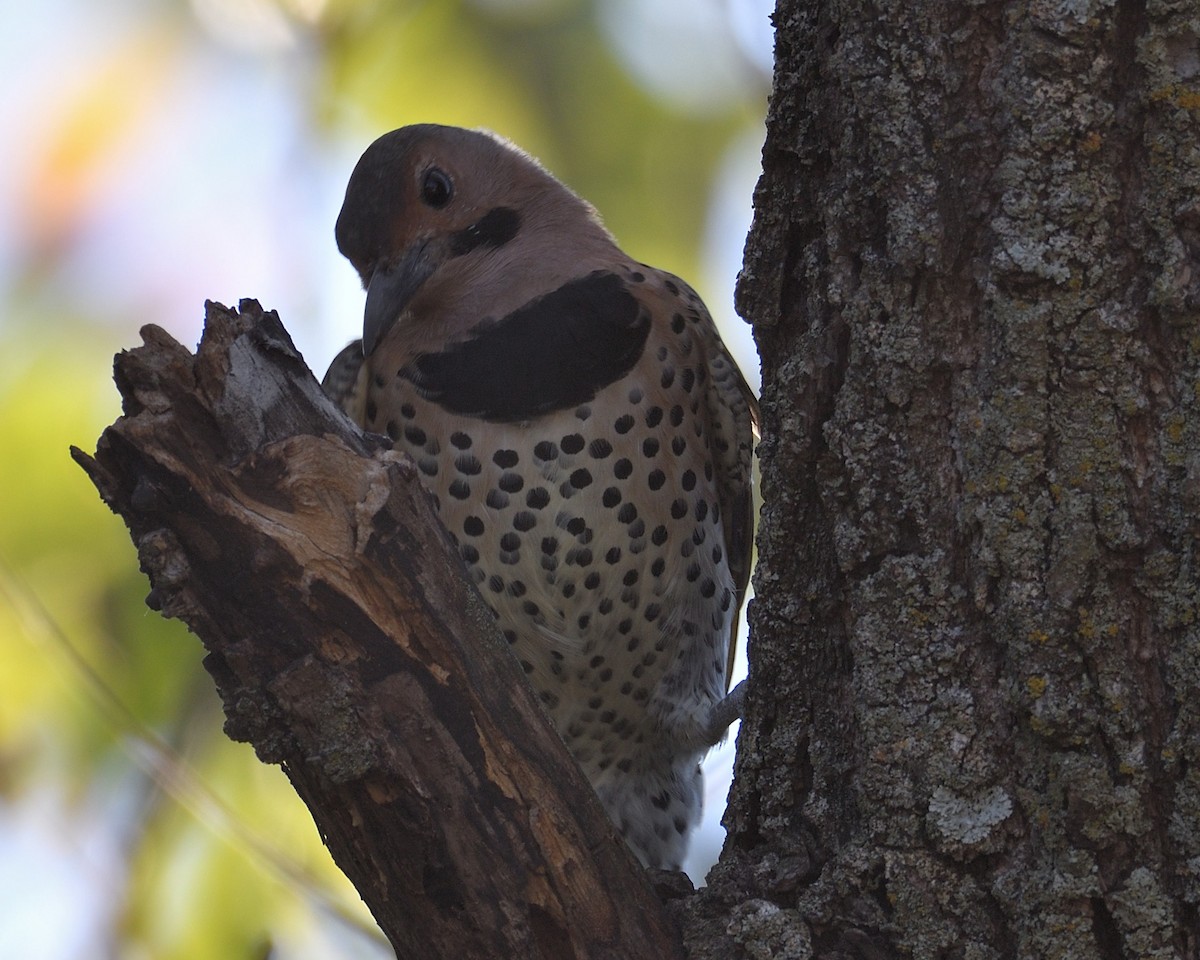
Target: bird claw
{"x": 723, "y": 713}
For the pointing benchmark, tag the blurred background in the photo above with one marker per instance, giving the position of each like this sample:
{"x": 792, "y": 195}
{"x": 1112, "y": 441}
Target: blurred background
{"x": 160, "y": 152}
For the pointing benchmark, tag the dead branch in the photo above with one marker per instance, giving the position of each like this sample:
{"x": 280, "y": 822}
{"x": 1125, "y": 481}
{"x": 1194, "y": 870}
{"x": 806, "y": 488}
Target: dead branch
{"x": 348, "y": 647}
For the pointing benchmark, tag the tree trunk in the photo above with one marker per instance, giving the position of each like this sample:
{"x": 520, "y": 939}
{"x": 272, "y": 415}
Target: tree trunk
{"x": 348, "y": 647}
{"x": 974, "y": 717}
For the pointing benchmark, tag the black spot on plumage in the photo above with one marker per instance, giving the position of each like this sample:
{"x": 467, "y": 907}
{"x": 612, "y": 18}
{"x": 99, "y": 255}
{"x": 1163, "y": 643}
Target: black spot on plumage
{"x": 668, "y": 376}
{"x": 654, "y": 416}
{"x": 699, "y": 535}
{"x": 393, "y": 431}
{"x": 630, "y": 578}
{"x": 469, "y": 553}
{"x": 676, "y": 415}
{"x": 494, "y": 229}
{"x": 580, "y": 478}
{"x": 693, "y": 572}
{"x": 652, "y": 612}
{"x": 623, "y": 468}
{"x": 687, "y": 379}
{"x": 628, "y": 513}
{"x": 524, "y": 521}
{"x": 505, "y": 458}
{"x": 473, "y": 526}
{"x": 546, "y": 450}
{"x": 678, "y": 323}
{"x": 612, "y": 497}
{"x": 679, "y": 508}
{"x": 650, "y": 447}
{"x": 656, "y": 479}
{"x": 708, "y": 589}
{"x": 599, "y": 449}
{"x": 407, "y": 410}
{"x": 701, "y": 509}
{"x": 428, "y": 466}
{"x": 576, "y": 526}
{"x": 495, "y": 584}
{"x": 581, "y": 556}
{"x": 678, "y": 445}
{"x": 549, "y": 546}
{"x": 530, "y": 608}
{"x": 688, "y": 480}
{"x": 467, "y": 464}
{"x": 516, "y": 589}
{"x": 415, "y": 435}
{"x": 510, "y": 542}
{"x": 636, "y": 529}
{"x": 497, "y": 499}
{"x": 510, "y": 636}
{"x": 372, "y": 411}
{"x": 460, "y": 440}
{"x": 511, "y": 482}
{"x": 637, "y": 277}
{"x": 605, "y": 606}
{"x": 459, "y": 489}
{"x": 659, "y": 536}
{"x": 553, "y": 353}
{"x": 624, "y": 423}
{"x": 657, "y": 567}
{"x": 613, "y": 555}
{"x": 592, "y": 580}
{"x": 571, "y": 443}
{"x": 635, "y": 395}
{"x": 537, "y": 498}
{"x": 583, "y": 412}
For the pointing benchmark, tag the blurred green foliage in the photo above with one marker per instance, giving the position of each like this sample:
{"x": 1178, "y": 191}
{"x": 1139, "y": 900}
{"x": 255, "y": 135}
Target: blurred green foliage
{"x": 104, "y": 706}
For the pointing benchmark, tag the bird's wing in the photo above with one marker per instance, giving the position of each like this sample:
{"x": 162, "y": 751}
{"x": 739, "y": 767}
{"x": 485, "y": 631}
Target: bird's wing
{"x": 345, "y": 382}
{"x": 732, "y": 413}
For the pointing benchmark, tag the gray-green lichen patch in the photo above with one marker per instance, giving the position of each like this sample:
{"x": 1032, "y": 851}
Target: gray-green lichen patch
{"x": 964, "y": 824}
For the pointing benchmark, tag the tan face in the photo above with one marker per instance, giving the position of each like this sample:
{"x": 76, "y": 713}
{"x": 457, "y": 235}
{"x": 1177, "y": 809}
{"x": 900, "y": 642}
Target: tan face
{"x": 422, "y": 197}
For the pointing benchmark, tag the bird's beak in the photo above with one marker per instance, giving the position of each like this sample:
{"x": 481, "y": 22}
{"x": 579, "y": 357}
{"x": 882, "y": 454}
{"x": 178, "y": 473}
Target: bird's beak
{"x": 390, "y": 289}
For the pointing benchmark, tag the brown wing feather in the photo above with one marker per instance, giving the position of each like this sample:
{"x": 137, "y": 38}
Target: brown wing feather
{"x": 733, "y": 423}
{"x": 345, "y": 382}
{"x": 734, "y": 412}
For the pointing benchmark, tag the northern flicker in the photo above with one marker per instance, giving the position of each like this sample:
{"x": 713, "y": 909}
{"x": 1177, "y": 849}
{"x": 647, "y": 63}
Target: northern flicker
{"x": 587, "y": 438}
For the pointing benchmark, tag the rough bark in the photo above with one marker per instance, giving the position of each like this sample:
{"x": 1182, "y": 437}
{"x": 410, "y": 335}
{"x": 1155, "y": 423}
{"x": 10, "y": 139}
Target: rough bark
{"x": 348, "y": 647}
{"x": 974, "y": 712}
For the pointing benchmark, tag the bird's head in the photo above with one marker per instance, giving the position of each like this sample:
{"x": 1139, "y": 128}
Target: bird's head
{"x": 440, "y": 207}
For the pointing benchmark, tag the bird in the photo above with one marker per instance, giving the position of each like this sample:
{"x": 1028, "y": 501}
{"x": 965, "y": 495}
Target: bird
{"x": 587, "y": 438}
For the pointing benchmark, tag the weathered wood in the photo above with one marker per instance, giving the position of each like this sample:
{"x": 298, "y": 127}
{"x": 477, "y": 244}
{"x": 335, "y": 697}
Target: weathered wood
{"x": 348, "y": 647}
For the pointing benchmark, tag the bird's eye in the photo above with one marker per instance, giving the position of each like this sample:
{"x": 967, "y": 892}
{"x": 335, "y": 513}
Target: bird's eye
{"x": 436, "y": 188}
